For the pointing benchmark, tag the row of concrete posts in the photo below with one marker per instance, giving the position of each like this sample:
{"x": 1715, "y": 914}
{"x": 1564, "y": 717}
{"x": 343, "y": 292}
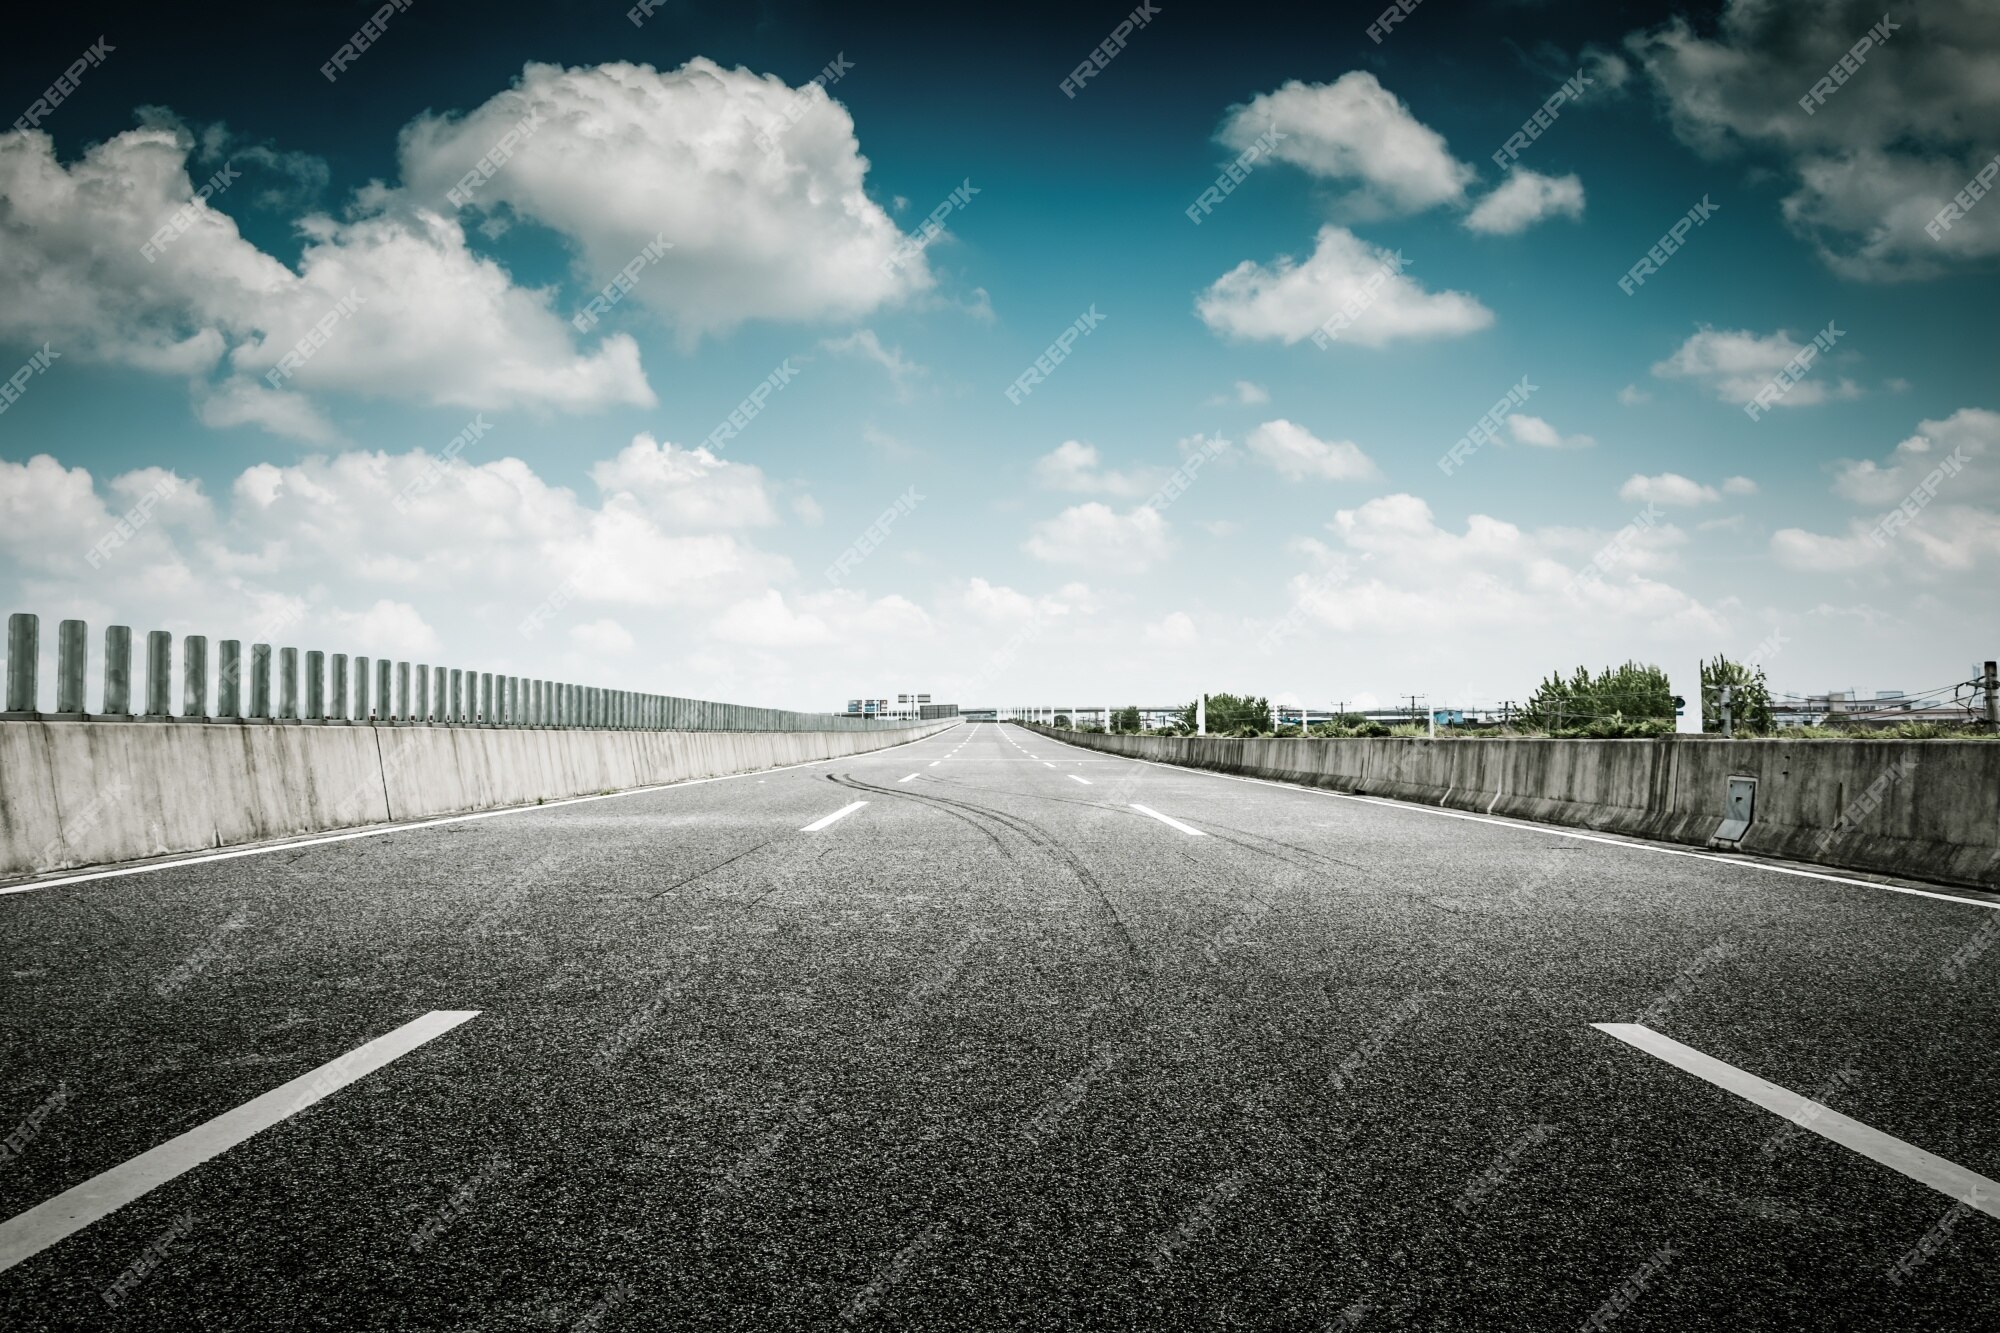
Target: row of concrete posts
{"x": 332, "y": 689}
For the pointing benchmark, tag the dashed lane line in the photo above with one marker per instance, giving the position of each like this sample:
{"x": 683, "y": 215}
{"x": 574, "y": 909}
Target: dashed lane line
{"x": 841, "y": 813}
{"x": 1166, "y": 819}
{"x": 74, "y": 1209}
{"x": 1968, "y": 1187}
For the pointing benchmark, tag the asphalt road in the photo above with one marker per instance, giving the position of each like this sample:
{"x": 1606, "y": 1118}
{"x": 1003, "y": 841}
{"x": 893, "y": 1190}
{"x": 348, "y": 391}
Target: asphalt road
{"x": 997, "y": 1049}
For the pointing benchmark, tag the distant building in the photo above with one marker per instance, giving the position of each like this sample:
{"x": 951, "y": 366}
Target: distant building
{"x": 904, "y": 705}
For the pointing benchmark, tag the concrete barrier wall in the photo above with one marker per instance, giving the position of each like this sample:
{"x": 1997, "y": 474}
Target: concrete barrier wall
{"x": 93, "y": 793}
{"x": 1925, "y": 809}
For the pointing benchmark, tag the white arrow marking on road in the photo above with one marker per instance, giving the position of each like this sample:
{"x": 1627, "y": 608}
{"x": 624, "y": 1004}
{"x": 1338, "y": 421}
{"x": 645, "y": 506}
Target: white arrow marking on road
{"x": 1148, "y": 810}
{"x": 1074, "y": 778}
{"x": 76, "y": 1208}
{"x": 1969, "y": 1187}
{"x": 841, "y": 813}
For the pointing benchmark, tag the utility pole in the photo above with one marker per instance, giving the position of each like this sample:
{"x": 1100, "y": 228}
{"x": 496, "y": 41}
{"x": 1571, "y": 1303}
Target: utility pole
{"x": 1993, "y": 697}
{"x": 1728, "y": 721}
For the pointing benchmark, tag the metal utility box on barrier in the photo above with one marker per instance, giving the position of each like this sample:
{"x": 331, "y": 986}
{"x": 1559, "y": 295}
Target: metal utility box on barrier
{"x": 1739, "y": 804}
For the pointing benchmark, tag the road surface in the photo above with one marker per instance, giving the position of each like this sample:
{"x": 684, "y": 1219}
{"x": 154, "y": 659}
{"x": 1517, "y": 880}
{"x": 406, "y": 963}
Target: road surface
{"x": 987, "y": 1031}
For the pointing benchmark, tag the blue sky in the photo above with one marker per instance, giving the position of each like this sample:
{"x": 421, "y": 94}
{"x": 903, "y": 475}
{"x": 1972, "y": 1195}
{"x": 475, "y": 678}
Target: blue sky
{"x": 1632, "y": 509}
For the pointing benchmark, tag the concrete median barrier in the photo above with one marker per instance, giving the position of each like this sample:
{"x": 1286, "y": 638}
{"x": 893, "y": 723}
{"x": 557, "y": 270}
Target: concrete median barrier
{"x": 77, "y": 793}
{"x": 1924, "y": 809}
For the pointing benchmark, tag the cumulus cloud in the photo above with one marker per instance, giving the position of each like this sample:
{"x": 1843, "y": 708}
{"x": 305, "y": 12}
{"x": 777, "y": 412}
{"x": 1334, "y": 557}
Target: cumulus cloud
{"x": 1174, "y": 630}
{"x": 767, "y": 220}
{"x": 1878, "y": 156}
{"x": 1734, "y": 364}
{"x": 426, "y": 320}
{"x": 1075, "y": 466}
{"x": 1739, "y": 486}
{"x": 1289, "y": 300}
{"x": 1395, "y": 570}
{"x": 1931, "y": 508}
{"x": 1523, "y": 199}
{"x": 1539, "y": 434}
{"x": 1097, "y": 536}
{"x": 1668, "y": 488}
{"x": 1354, "y": 130}
{"x": 1632, "y": 395}
{"x": 1297, "y": 454}
{"x": 688, "y": 488}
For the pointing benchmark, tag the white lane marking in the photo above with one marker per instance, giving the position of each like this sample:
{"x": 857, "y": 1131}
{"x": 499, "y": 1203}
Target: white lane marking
{"x": 936, "y": 762}
{"x": 1074, "y": 778}
{"x": 841, "y": 813}
{"x": 902, "y": 780}
{"x": 405, "y": 827}
{"x": 1046, "y": 762}
{"x": 74, "y": 1209}
{"x": 1973, "y": 1189}
{"x": 1554, "y": 832}
{"x": 1148, "y": 810}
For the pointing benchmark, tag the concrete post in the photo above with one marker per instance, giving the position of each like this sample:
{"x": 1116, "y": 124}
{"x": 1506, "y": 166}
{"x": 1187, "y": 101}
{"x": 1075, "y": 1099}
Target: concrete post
{"x": 422, "y": 703}
{"x": 72, "y": 654}
{"x": 24, "y": 650}
{"x": 439, "y": 677}
{"x": 159, "y": 672}
{"x": 513, "y": 701}
{"x": 486, "y": 698}
{"x": 260, "y": 681}
{"x": 229, "y": 678}
{"x": 384, "y": 673}
{"x": 402, "y": 692}
{"x": 118, "y": 671}
{"x": 288, "y": 684}
{"x": 194, "y": 676}
{"x": 337, "y": 690}
{"x": 538, "y": 706}
{"x": 315, "y": 685}
{"x": 360, "y": 689}
{"x": 457, "y": 715}
{"x": 1993, "y": 697}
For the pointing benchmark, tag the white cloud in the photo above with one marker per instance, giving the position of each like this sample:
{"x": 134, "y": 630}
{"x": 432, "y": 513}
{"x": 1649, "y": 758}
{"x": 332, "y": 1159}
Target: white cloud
{"x": 1876, "y": 159}
{"x": 1297, "y": 454}
{"x": 1398, "y": 573}
{"x": 1539, "y": 434}
{"x": 767, "y": 621}
{"x": 1669, "y": 488}
{"x": 1523, "y": 199}
{"x": 1632, "y": 395}
{"x": 1097, "y": 536}
{"x": 434, "y": 324}
{"x": 1218, "y": 527}
{"x": 1354, "y": 129}
{"x": 686, "y": 488}
{"x": 1290, "y": 300}
{"x": 866, "y": 344}
{"x": 1739, "y": 486}
{"x": 1075, "y": 466}
{"x": 1245, "y": 392}
{"x": 1174, "y": 630}
{"x": 625, "y": 153}
{"x": 1945, "y": 474}
{"x": 603, "y": 638}
{"x": 1735, "y": 363}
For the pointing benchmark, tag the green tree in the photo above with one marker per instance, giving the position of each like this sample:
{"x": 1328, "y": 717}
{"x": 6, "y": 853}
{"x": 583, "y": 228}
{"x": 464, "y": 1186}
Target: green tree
{"x": 1634, "y": 692}
{"x": 1126, "y": 720}
{"x": 1232, "y": 712}
{"x": 1750, "y": 697}
{"x": 1062, "y": 722}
